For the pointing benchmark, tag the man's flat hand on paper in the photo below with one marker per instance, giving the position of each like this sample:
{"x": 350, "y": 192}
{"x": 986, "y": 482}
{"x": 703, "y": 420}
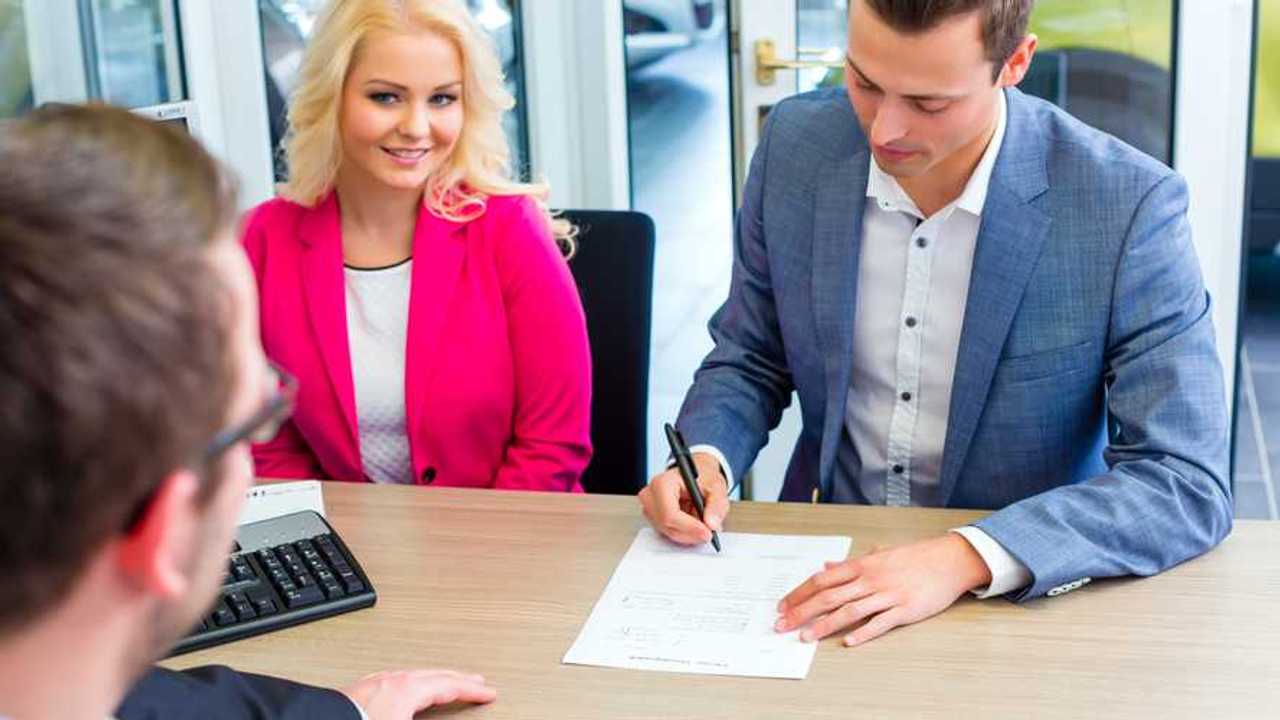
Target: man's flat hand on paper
{"x": 884, "y": 588}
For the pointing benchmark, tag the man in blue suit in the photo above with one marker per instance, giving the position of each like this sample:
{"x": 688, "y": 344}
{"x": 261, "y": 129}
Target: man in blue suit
{"x": 980, "y": 302}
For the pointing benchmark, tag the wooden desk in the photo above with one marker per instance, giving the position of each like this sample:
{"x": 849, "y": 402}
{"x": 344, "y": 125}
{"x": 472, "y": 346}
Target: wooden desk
{"x": 500, "y": 583}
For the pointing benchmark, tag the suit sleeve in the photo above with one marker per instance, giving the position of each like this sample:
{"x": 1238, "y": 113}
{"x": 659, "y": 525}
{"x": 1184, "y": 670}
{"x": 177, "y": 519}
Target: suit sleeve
{"x": 551, "y": 438}
{"x": 743, "y": 385}
{"x": 219, "y": 692}
{"x": 1166, "y": 496}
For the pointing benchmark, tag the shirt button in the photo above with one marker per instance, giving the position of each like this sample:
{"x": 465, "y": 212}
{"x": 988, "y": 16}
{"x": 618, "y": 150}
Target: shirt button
{"x": 898, "y": 469}
{"x": 906, "y": 397}
{"x": 922, "y": 242}
{"x": 429, "y": 475}
{"x": 911, "y": 322}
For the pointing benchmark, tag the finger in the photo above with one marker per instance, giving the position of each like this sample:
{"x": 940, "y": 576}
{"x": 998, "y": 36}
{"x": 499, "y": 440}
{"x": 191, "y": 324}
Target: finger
{"x": 838, "y": 574}
{"x": 717, "y": 502}
{"x": 443, "y": 690}
{"x": 667, "y": 494}
{"x": 822, "y": 603}
{"x": 427, "y": 675}
{"x": 876, "y": 626}
{"x": 846, "y": 616}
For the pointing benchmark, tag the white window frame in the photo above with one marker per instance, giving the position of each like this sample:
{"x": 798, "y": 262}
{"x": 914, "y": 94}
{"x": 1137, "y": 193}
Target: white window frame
{"x": 576, "y": 88}
{"x": 222, "y": 47}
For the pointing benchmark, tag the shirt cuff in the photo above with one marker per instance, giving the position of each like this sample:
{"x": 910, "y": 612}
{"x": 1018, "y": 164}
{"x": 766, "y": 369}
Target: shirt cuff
{"x": 714, "y": 452}
{"x": 1007, "y": 573}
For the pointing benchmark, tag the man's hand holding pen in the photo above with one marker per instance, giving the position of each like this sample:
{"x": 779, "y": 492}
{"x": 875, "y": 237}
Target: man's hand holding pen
{"x": 670, "y": 509}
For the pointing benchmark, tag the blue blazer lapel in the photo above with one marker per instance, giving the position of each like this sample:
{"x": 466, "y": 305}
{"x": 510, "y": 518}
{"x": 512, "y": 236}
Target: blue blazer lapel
{"x": 837, "y": 240}
{"x": 1010, "y": 240}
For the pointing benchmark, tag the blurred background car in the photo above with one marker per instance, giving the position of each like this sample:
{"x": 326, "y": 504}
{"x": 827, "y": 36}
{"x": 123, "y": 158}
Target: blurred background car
{"x": 657, "y": 28}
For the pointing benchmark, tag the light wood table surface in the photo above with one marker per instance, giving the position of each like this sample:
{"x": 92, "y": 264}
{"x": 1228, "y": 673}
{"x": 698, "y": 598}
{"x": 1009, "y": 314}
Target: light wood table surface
{"x": 500, "y": 583}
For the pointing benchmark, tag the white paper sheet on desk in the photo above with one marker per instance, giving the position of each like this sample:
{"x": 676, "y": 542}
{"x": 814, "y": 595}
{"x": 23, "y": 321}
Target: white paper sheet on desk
{"x": 676, "y": 609}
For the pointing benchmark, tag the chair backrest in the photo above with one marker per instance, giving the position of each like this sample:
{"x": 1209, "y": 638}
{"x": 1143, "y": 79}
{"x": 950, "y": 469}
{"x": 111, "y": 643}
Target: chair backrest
{"x": 613, "y": 268}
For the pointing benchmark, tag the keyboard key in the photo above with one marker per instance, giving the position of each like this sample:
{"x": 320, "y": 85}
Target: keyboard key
{"x": 303, "y": 597}
{"x": 241, "y": 569}
{"x": 305, "y": 580}
{"x": 265, "y": 606}
{"x": 332, "y": 589}
{"x": 222, "y": 615}
{"x": 244, "y": 610}
{"x": 351, "y": 582}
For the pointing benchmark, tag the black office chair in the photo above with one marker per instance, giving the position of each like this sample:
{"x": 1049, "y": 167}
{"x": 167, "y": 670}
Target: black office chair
{"x": 613, "y": 268}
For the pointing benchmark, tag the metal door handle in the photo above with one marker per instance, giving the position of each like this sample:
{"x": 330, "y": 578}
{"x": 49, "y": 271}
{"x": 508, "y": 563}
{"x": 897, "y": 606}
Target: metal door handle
{"x": 768, "y": 63}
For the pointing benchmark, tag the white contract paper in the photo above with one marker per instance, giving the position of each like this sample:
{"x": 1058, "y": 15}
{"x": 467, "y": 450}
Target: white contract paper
{"x": 693, "y": 610}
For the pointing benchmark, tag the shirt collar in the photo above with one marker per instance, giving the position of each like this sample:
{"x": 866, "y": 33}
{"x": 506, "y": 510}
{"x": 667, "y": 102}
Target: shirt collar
{"x": 883, "y": 188}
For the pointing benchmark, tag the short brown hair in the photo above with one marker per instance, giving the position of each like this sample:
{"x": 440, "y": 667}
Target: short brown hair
{"x": 1004, "y": 22}
{"x": 114, "y": 365}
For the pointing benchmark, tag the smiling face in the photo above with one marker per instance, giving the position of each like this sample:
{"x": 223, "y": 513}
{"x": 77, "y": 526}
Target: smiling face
{"x": 402, "y": 110}
{"x": 925, "y": 100}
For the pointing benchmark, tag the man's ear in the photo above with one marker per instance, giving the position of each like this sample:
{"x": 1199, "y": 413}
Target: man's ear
{"x": 1016, "y": 67}
{"x": 155, "y": 553}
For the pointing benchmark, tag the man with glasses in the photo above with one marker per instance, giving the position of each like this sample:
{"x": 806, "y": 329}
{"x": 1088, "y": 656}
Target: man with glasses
{"x": 131, "y": 380}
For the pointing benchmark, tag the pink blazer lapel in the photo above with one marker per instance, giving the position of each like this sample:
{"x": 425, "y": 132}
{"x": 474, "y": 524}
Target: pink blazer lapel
{"x": 439, "y": 250}
{"x": 325, "y": 290}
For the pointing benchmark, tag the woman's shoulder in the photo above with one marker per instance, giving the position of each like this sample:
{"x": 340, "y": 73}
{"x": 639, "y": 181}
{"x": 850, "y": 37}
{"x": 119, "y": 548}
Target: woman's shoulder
{"x": 274, "y": 213}
{"x": 515, "y": 212}
{"x": 277, "y": 225}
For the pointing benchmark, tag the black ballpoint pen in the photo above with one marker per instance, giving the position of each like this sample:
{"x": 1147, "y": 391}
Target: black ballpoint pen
{"x": 687, "y": 471}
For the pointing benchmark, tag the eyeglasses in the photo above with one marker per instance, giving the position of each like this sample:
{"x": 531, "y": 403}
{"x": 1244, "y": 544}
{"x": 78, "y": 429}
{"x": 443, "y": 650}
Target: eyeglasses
{"x": 264, "y": 424}
{"x": 261, "y": 426}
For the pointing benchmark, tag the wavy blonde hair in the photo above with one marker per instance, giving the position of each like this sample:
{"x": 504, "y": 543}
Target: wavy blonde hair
{"x": 479, "y": 165}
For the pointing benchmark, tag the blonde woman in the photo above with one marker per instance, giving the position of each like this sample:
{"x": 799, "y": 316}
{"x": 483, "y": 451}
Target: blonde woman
{"x": 421, "y": 296}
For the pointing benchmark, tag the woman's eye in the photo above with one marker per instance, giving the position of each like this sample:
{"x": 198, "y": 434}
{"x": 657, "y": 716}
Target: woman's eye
{"x": 383, "y": 98}
{"x": 441, "y": 99}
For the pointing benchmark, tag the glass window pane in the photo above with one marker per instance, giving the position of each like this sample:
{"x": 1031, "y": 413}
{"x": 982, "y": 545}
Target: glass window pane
{"x": 1256, "y": 466}
{"x": 678, "y": 119}
{"x": 135, "y": 53}
{"x": 286, "y": 25}
{"x": 1108, "y": 62}
{"x": 15, "y": 67}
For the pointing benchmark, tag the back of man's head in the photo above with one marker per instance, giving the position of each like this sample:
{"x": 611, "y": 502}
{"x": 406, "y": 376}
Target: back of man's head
{"x": 1004, "y": 22}
{"x": 114, "y": 369}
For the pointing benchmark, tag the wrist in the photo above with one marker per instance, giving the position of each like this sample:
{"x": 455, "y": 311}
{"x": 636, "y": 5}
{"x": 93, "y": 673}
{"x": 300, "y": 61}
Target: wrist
{"x": 972, "y": 569}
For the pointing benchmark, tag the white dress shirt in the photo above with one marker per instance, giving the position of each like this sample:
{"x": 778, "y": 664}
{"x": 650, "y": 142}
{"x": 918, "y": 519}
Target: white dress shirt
{"x": 913, "y": 285}
{"x": 377, "y": 330}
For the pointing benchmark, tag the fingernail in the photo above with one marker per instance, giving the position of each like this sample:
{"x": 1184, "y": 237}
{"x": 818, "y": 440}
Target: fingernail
{"x": 849, "y": 641}
{"x": 780, "y": 625}
{"x": 806, "y": 636}
{"x": 714, "y": 522}
{"x": 782, "y": 606}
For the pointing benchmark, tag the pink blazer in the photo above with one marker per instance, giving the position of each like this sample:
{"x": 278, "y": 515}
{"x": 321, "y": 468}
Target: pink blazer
{"x": 497, "y": 369}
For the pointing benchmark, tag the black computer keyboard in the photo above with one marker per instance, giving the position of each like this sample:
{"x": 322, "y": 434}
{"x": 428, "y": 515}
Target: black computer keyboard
{"x": 283, "y": 571}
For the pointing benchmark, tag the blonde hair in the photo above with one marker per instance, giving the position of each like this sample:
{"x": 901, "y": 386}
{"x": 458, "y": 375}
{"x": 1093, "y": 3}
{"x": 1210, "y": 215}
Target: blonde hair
{"x": 479, "y": 165}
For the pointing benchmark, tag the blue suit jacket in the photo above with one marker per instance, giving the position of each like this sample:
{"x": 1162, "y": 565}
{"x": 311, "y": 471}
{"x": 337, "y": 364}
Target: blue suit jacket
{"x": 1088, "y": 404}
